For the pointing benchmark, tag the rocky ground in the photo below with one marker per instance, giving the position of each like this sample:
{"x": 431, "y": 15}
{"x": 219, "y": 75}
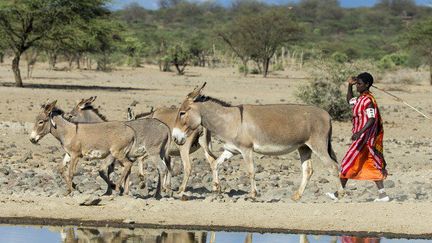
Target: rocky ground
{"x": 27, "y": 170}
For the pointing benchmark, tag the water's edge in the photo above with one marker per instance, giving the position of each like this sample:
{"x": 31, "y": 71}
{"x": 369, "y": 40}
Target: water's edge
{"x": 120, "y": 224}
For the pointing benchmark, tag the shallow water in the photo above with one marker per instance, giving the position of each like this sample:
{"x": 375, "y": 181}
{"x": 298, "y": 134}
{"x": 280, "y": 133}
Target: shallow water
{"x": 49, "y": 234}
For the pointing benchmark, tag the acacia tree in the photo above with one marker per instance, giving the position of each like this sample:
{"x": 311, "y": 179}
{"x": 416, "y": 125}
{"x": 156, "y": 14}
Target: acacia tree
{"x": 24, "y": 23}
{"x": 179, "y": 56}
{"x": 259, "y": 36}
{"x": 419, "y": 37}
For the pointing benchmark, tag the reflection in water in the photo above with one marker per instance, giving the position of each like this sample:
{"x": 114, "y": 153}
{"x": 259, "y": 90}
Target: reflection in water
{"x": 110, "y": 235}
{"x": 353, "y": 239}
{"x": 115, "y": 235}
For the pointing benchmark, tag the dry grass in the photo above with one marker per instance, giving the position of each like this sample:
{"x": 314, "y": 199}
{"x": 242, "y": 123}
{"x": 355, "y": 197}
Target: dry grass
{"x": 405, "y": 76}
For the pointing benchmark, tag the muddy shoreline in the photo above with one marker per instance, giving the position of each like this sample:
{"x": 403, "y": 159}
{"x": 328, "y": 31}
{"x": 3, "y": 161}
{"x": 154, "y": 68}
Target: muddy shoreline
{"x": 118, "y": 224}
{"x": 391, "y": 220}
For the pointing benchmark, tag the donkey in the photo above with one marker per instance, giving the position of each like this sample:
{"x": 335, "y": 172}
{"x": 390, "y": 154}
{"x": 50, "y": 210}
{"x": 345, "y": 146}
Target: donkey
{"x": 84, "y": 112}
{"x": 122, "y": 141}
{"x": 265, "y": 129}
{"x": 199, "y": 137}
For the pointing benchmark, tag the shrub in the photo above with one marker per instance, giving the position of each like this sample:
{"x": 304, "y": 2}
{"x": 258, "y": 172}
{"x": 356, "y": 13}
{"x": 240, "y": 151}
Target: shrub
{"x": 278, "y": 67}
{"x": 386, "y": 63}
{"x": 243, "y": 69}
{"x": 399, "y": 59}
{"x": 255, "y": 71}
{"x": 324, "y": 90}
{"x": 392, "y": 60}
{"x": 339, "y": 57}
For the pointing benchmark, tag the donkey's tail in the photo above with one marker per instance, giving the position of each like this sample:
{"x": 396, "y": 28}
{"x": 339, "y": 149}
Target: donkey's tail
{"x": 167, "y": 148}
{"x": 329, "y": 147}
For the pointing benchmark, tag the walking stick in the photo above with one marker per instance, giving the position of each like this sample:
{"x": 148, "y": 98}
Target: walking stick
{"x": 403, "y": 101}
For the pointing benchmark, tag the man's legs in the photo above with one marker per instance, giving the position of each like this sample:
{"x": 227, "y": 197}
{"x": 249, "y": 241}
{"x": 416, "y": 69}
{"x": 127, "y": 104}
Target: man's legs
{"x": 382, "y": 195}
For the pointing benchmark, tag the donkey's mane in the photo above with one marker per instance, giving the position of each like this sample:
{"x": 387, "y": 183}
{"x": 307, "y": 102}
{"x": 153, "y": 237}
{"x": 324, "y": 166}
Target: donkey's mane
{"x": 203, "y": 98}
{"x": 57, "y": 111}
{"x": 144, "y": 114}
{"x": 96, "y": 110}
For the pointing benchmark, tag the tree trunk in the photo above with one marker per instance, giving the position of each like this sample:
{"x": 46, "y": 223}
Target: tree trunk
{"x": 1, "y": 57}
{"x": 266, "y": 67}
{"x": 430, "y": 71}
{"x": 180, "y": 71}
{"x": 16, "y": 70}
{"x": 430, "y": 68}
{"x": 77, "y": 60}
{"x": 245, "y": 73}
{"x": 52, "y": 60}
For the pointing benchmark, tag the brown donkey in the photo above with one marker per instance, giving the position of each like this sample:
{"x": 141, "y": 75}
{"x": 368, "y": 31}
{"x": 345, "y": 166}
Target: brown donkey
{"x": 198, "y": 138}
{"x": 264, "y": 129}
{"x": 85, "y": 112}
{"x": 122, "y": 141}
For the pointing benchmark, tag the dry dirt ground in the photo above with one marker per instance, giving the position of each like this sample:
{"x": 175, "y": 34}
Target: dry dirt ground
{"x": 31, "y": 189}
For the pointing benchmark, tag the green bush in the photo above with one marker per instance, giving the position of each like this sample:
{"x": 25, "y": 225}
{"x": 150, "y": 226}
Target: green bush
{"x": 386, "y": 63}
{"x": 339, "y": 57}
{"x": 255, "y": 71}
{"x": 399, "y": 59}
{"x": 278, "y": 67}
{"x": 324, "y": 90}
{"x": 392, "y": 60}
{"x": 243, "y": 69}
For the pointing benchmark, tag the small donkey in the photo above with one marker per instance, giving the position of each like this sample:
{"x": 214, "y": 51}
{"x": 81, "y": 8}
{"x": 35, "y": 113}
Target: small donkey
{"x": 85, "y": 112}
{"x": 122, "y": 141}
{"x": 200, "y": 137}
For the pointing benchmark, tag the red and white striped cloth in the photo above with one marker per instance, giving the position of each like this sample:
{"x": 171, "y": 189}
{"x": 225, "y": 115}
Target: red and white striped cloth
{"x": 372, "y": 137}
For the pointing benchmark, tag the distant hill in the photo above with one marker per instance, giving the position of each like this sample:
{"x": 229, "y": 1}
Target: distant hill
{"x": 153, "y": 4}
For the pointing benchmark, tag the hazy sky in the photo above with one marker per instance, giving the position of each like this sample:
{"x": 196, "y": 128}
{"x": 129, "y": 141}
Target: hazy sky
{"x": 152, "y": 4}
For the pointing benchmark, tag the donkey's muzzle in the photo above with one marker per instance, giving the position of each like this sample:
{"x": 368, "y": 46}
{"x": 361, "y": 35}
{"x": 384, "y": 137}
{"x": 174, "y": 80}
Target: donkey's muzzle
{"x": 178, "y": 136}
{"x": 179, "y": 141}
{"x": 33, "y": 141}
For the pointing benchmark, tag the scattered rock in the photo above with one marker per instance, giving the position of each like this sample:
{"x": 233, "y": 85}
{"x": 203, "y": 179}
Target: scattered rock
{"x": 90, "y": 201}
{"x": 389, "y": 184}
{"x": 128, "y": 221}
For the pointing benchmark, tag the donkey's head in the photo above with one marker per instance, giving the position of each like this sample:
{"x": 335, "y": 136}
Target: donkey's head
{"x": 43, "y": 122}
{"x": 84, "y": 112}
{"x": 188, "y": 118}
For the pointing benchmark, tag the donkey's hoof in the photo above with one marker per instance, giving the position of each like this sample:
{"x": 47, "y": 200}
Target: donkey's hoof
{"x": 169, "y": 193}
{"x": 217, "y": 188}
{"x": 252, "y": 195}
{"x": 184, "y": 197}
{"x": 296, "y": 196}
{"x": 181, "y": 189}
{"x": 107, "y": 193}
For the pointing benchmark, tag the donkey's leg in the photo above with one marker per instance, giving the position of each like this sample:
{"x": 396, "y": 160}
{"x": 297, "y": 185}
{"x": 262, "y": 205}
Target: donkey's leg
{"x": 226, "y": 155}
{"x": 161, "y": 173}
{"x": 307, "y": 170}
{"x": 168, "y": 174}
{"x": 205, "y": 142}
{"x": 141, "y": 167}
{"x": 321, "y": 149}
{"x": 127, "y": 164}
{"x": 126, "y": 185}
{"x": 72, "y": 165}
{"x": 107, "y": 165}
{"x": 187, "y": 168}
{"x": 62, "y": 167}
{"x": 248, "y": 158}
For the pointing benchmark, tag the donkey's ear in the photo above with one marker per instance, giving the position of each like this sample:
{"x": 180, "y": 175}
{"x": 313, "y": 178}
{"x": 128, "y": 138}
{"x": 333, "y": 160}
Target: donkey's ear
{"x": 196, "y": 92}
{"x": 92, "y": 99}
{"x": 86, "y": 102}
{"x": 48, "y": 108}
